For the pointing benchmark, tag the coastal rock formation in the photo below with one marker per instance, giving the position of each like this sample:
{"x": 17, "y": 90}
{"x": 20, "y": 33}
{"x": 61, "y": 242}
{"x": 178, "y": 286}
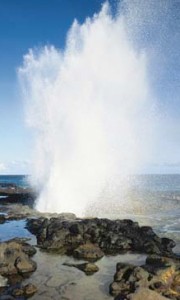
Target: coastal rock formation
{"x": 15, "y": 265}
{"x": 12, "y": 193}
{"x": 24, "y": 291}
{"x": 2, "y": 219}
{"x": 87, "y": 268}
{"x": 15, "y": 258}
{"x": 146, "y": 294}
{"x": 107, "y": 236}
{"x": 88, "y": 251}
{"x": 18, "y": 211}
{"x": 160, "y": 275}
{"x": 19, "y": 292}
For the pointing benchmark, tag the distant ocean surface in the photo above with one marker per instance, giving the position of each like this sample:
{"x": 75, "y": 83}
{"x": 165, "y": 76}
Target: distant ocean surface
{"x": 153, "y": 200}
{"x": 19, "y": 180}
{"x": 154, "y": 183}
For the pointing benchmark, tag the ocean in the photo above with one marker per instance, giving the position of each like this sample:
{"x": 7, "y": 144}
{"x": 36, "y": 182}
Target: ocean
{"x": 158, "y": 205}
{"x": 169, "y": 183}
{"x": 153, "y": 200}
{"x": 19, "y": 180}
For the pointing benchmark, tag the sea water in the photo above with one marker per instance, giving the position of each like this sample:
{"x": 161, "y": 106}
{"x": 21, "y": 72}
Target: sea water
{"x": 155, "y": 201}
{"x": 19, "y": 180}
{"x": 54, "y": 280}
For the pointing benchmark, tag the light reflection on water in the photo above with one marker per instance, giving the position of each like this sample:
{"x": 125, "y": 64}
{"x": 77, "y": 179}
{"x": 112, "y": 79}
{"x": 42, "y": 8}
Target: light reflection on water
{"x": 56, "y": 281}
{"x": 12, "y": 229}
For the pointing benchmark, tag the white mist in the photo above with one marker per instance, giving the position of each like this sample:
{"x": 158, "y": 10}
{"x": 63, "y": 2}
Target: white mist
{"x": 89, "y": 106}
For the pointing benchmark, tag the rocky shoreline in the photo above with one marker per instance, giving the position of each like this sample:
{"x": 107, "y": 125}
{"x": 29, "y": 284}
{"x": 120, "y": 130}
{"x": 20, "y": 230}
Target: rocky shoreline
{"x": 89, "y": 240}
{"x": 16, "y": 264}
{"x": 100, "y": 236}
{"x": 11, "y": 193}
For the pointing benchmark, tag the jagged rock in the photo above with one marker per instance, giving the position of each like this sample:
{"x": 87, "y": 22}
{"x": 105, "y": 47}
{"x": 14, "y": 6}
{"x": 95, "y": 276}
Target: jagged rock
{"x": 2, "y": 219}
{"x": 24, "y": 265}
{"x": 24, "y": 292}
{"x": 111, "y": 236}
{"x": 17, "y": 292}
{"x": 87, "y": 268}
{"x": 160, "y": 274}
{"x": 26, "y": 248}
{"x": 146, "y": 294}
{"x": 29, "y": 290}
{"x": 14, "y": 258}
{"x": 88, "y": 251}
{"x": 15, "y": 194}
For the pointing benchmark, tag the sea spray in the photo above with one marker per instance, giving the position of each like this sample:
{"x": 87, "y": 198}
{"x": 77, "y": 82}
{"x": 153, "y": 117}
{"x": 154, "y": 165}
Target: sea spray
{"x": 90, "y": 108}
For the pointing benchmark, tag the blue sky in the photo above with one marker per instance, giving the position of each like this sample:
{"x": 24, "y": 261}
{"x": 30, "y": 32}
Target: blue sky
{"x": 25, "y": 24}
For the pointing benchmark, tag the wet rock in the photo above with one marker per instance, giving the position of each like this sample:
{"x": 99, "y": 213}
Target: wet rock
{"x": 16, "y": 194}
{"x": 87, "y": 268}
{"x": 24, "y": 265}
{"x": 14, "y": 258}
{"x": 35, "y": 225}
{"x": 88, "y": 251}
{"x": 18, "y": 211}
{"x": 159, "y": 274}
{"x": 26, "y": 248}
{"x": 146, "y": 294}
{"x": 111, "y": 236}
{"x": 2, "y": 219}
{"x": 29, "y": 290}
{"x": 121, "y": 285}
{"x": 17, "y": 292}
{"x": 24, "y": 292}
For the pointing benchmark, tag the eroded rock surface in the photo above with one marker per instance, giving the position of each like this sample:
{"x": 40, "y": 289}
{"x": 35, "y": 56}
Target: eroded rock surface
{"x": 159, "y": 274}
{"x": 26, "y": 291}
{"x": 20, "y": 292}
{"x": 19, "y": 211}
{"x": 15, "y": 257}
{"x": 88, "y": 251}
{"x": 15, "y": 265}
{"x": 87, "y": 268}
{"x": 110, "y": 237}
{"x": 146, "y": 294}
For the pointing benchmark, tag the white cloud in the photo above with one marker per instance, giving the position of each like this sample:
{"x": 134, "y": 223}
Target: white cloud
{"x": 15, "y": 167}
{"x": 18, "y": 167}
{"x": 2, "y": 167}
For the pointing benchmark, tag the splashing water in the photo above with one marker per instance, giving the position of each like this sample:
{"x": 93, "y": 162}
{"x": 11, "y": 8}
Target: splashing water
{"x": 90, "y": 108}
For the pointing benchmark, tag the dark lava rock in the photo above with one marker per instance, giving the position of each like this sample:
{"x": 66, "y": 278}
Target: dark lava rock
{"x": 16, "y": 194}
{"x": 87, "y": 268}
{"x": 88, "y": 251}
{"x": 2, "y": 219}
{"x": 19, "y": 292}
{"x": 160, "y": 275}
{"x": 111, "y": 236}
